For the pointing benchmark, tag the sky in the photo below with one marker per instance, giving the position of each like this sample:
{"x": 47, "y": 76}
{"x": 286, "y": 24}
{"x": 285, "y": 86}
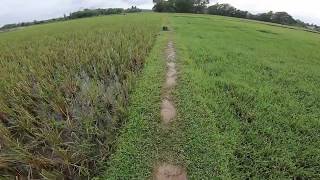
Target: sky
{"x": 15, "y": 11}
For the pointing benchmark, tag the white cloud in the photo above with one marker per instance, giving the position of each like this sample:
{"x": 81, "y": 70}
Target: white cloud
{"x": 13, "y": 11}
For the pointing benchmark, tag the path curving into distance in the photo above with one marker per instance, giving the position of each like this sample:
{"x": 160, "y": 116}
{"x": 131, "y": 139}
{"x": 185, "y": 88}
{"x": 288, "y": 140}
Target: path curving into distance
{"x": 168, "y": 114}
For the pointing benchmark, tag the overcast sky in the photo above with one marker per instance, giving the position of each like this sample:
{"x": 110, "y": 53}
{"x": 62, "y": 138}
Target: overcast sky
{"x": 14, "y": 11}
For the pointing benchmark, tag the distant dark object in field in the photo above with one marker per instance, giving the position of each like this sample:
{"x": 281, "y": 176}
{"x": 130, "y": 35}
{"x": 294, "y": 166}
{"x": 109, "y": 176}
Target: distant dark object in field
{"x": 200, "y": 37}
{"x": 267, "y": 31}
{"x": 3, "y": 118}
{"x": 165, "y": 28}
{"x": 299, "y": 178}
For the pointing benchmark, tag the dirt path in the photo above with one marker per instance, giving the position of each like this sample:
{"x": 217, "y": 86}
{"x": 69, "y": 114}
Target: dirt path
{"x": 167, "y": 171}
{"x": 168, "y": 110}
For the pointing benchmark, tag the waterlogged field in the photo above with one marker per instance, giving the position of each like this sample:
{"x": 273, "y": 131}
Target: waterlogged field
{"x": 64, "y": 91}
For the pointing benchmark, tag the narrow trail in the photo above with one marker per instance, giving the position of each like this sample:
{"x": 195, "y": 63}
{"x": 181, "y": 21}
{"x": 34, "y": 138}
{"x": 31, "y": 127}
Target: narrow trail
{"x": 166, "y": 171}
{"x": 168, "y": 110}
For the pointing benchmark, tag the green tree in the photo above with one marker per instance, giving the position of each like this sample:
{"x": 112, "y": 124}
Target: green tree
{"x": 199, "y": 6}
{"x": 182, "y": 6}
{"x": 226, "y": 10}
{"x": 283, "y": 18}
{"x": 265, "y": 16}
{"x": 164, "y": 6}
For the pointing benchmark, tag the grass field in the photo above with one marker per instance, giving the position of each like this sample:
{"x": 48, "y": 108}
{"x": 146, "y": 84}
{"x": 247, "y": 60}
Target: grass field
{"x": 249, "y": 98}
{"x": 64, "y": 91}
{"x": 72, "y": 105}
{"x": 248, "y": 105}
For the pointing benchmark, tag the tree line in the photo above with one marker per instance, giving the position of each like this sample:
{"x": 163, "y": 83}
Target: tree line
{"x": 201, "y": 6}
{"x": 75, "y": 15}
{"x": 180, "y": 6}
{"x": 273, "y": 17}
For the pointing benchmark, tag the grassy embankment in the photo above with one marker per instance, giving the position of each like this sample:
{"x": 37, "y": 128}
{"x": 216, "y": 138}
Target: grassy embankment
{"x": 64, "y": 92}
{"x": 248, "y": 105}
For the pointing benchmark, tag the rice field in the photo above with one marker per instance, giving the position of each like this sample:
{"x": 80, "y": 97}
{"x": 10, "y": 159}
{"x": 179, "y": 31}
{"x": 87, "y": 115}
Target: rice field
{"x": 81, "y": 99}
{"x": 64, "y": 93}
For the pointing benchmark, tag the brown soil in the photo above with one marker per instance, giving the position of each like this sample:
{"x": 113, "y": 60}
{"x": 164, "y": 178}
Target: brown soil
{"x": 171, "y": 82}
{"x": 168, "y": 111}
{"x": 171, "y": 76}
{"x": 3, "y": 117}
{"x": 170, "y": 172}
{"x": 168, "y": 115}
{"x": 171, "y": 54}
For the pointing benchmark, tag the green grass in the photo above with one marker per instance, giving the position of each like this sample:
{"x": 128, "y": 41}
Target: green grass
{"x": 248, "y": 105}
{"x": 64, "y": 92}
{"x": 135, "y": 155}
{"x": 249, "y": 96}
{"x": 248, "y": 99}
{"x": 145, "y": 142}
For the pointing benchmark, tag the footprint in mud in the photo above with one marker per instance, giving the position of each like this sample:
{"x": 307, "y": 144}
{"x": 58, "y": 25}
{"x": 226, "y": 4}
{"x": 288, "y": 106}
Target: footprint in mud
{"x": 168, "y": 111}
{"x": 170, "y": 172}
{"x": 168, "y": 115}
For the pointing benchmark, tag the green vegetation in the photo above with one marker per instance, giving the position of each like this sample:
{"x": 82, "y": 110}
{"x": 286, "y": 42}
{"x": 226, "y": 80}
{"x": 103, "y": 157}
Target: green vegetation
{"x": 277, "y": 17}
{"x": 248, "y": 104}
{"x": 64, "y": 92}
{"x": 247, "y": 98}
{"x": 136, "y": 153}
{"x": 181, "y": 6}
{"x": 75, "y": 15}
{"x": 200, "y": 7}
{"x": 101, "y": 12}
{"x": 145, "y": 142}
{"x": 94, "y": 12}
{"x": 250, "y": 99}
{"x": 274, "y": 17}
